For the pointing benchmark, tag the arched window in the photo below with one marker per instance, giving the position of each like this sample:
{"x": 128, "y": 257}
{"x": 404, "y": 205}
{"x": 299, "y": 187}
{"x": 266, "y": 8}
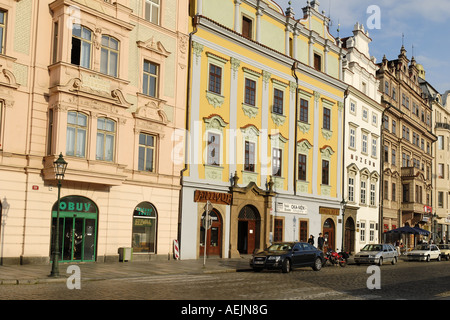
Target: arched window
{"x": 144, "y": 228}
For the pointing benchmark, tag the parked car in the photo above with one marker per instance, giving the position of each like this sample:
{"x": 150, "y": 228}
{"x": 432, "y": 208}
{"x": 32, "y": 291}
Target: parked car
{"x": 445, "y": 251}
{"x": 424, "y": 252}
{"x": 377, "y": 253}
{"x": 286, "y": 255}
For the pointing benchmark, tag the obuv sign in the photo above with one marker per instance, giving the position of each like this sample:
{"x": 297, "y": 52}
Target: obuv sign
{"x": 75, "y": 204}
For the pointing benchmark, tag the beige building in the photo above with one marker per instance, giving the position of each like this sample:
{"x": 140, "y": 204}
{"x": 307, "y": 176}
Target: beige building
{"x": 407, "y": 143}
{"x": 103, "y": 83}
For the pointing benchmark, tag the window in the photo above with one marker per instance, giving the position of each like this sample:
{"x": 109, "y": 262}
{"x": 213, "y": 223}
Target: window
{"x": 213, "y": 149}
{"x": 363, "y": 192}
{"x": 405, "y": 192}
{"x": 364, "y": 143}
{"x": 326, "y": 118}
{"x": 441, "y": 142}
{"x": 386, "y": 122}
{"x": 393, "y": 156}
{"x": 372, "y": 194}
{"x": 55, "y": 40}
{"x": 365, "y": 114}
{"x": 386, "y": 190}
{"x": 106, "y": 134}
{"x": 394, "y": 94}
{"x": 109, "y": 56}
{"x": 276, "y": 162}
{"x": 386, "y": 87}
{"x": 215, "y": 79}
{"x": 303, "y": 231}
{"x": 249, "y": 161}
{"x": 351, "y": 188}
{"x": 81, "y": 46}
{"x": 362, "y": 232}
{"x": 386, "y": 154}
{"x": 278, "y": 230}
{"x": 441, "y": 171}
{"x": 144, "y": 228}
{"x": 440, "y": 199}
{"x": 374, "y": 147}
{"x": 302, "y": 167}
{"x": 2, "y": 31}
{"x": 352, "y": 138}
{"x": 371, "y": 232}
{"x": 393, "y": 196}
{"x": 76, "y": 134}
{"x": 325, "y": 172}
{"x": 394, "y": 127}
{"x": 352, "y": 107}
{"x": 250, "y": 92}
{"x": 147, "y": 144}
{"x": 152, "y": 11}
{"x": 277, "y": 101}
{"x": 150, "y": 79}
{"x": 304, "y": 109}
{"x": 247, "y": 27}
{"x": 317, "y": 62}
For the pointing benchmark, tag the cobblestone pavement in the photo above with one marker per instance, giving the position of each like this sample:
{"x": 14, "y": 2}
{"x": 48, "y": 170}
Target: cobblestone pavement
{"x": 406, "y": 280}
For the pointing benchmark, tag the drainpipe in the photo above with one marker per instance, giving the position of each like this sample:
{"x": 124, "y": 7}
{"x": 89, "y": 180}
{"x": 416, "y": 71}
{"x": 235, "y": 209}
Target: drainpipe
{"x": 195, "y": 20}
{"x": 343, "y": 171}
{"x": 294, "y": 74}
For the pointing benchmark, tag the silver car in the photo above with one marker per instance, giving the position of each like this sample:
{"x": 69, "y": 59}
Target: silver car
{"x": 377, "y": 253}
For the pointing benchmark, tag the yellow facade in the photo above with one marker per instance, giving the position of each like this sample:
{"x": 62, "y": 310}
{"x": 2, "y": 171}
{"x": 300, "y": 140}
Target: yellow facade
{"x": 255, "y": 55}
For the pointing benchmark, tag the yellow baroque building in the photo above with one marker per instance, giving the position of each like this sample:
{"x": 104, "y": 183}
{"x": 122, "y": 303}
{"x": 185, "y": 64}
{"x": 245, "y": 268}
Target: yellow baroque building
{"x": 264, "y": 128}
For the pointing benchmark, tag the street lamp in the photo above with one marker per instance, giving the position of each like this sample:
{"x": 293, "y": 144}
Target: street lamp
{"x": 59, "y": 166}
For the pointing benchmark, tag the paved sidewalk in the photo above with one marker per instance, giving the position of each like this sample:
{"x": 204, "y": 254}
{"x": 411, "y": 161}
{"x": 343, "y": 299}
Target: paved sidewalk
{"x": 35, "y": 274}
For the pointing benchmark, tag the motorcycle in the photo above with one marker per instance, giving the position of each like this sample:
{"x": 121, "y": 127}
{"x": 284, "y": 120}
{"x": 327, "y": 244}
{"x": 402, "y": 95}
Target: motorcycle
{"x": 332, "y": 257}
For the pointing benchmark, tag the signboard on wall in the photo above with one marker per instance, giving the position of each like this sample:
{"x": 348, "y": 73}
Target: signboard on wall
{"x": 291, "y": 208}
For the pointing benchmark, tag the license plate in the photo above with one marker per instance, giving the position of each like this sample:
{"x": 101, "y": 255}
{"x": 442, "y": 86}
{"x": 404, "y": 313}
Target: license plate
{"x": 259, "y": 262}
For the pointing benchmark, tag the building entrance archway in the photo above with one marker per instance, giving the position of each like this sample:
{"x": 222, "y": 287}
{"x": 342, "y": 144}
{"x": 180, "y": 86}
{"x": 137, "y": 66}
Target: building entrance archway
{"x": 249, "y": 221}
{"x": 349, "y": 235}
{"x": 329, "y": 232}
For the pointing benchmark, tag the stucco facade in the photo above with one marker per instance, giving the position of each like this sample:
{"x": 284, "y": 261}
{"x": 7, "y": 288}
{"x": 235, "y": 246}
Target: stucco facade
{"x": 103, "y": 83}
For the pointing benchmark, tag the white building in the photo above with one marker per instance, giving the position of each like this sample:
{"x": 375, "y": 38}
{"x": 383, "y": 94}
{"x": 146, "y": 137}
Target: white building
{"x": 362, "y": 143}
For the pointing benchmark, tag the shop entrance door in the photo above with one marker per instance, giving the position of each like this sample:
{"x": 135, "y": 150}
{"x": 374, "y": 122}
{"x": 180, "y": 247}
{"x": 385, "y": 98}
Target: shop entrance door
{"x": 328, "y": 235}
{"x": 77, "y": 230}
{"x": 213, "y": 236}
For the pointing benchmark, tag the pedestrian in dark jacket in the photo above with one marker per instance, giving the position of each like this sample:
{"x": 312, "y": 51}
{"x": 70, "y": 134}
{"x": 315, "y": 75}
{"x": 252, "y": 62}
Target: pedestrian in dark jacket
{"x": 311, "y": 240}
{"x": 320, "y": 241}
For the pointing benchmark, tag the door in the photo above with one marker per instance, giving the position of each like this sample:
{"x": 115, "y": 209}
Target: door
{"x": 77, "y": 229}
{"x": 328, "y": 235}
{"x": 349, "y": 237}
{"x": 213, "y": 236}
{"x": 248, "y": 230}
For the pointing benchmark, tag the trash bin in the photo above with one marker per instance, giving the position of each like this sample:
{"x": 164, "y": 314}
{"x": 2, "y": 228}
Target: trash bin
{"x": 125, "y": 254}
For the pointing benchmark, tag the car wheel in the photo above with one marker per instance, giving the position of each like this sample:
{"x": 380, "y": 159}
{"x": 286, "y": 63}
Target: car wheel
{"x": 447, "y": 257}
{"x": 394, "y": 260}
{"x": 380, "y": 262}
{"x": 317, "y": 264}
{"x": 439, "y": 258}
{"x": 286, "y": 266}
{"x": 428, "y": 258}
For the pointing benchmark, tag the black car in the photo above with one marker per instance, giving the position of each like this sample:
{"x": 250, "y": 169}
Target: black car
{"x": 286, "y": 255}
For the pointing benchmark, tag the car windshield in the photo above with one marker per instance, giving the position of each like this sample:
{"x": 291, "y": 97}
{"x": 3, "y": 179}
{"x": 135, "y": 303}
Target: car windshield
{"x": 372, "y": 247}
{"x": 424, "y": 246}
{"x": 280, "y": 247}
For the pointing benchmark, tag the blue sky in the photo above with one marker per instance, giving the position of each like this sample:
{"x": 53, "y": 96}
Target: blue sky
{"x": 424, "y": 25}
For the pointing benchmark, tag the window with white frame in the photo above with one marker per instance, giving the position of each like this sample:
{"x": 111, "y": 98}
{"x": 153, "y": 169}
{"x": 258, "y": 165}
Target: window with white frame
{"x": 213, "y": 158}
{"x": 372, "y": 194}
{"x": 351, "y": 188}
{"x": 371, "y": 231}
{"x": 277, "y": 158}
{"x": 364, "y": 143}
{"x": 76, "y": 134}
{"x": 362, "y": 231}
{"x": 150, "y": 79}
{"x": 363, "y": 192}
{"x": 106, "y": 136}
{"x": 2, "y": 31}
{"x": 109, "y": 60}
{"x": 249, "y": 156}
{"x": 81, "y": 46}
{"x": 147, "y": 152}
{"x": 152, "y": 9}
{"x": 374, "y": 147}
{"x": 352, "y": 138}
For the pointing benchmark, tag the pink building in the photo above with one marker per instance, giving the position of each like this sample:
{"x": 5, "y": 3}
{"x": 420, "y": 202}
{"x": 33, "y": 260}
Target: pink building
{"x": 104, "y": 83}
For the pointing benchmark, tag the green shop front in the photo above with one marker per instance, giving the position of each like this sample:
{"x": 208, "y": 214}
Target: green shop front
{"x": 78, "y": 219}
